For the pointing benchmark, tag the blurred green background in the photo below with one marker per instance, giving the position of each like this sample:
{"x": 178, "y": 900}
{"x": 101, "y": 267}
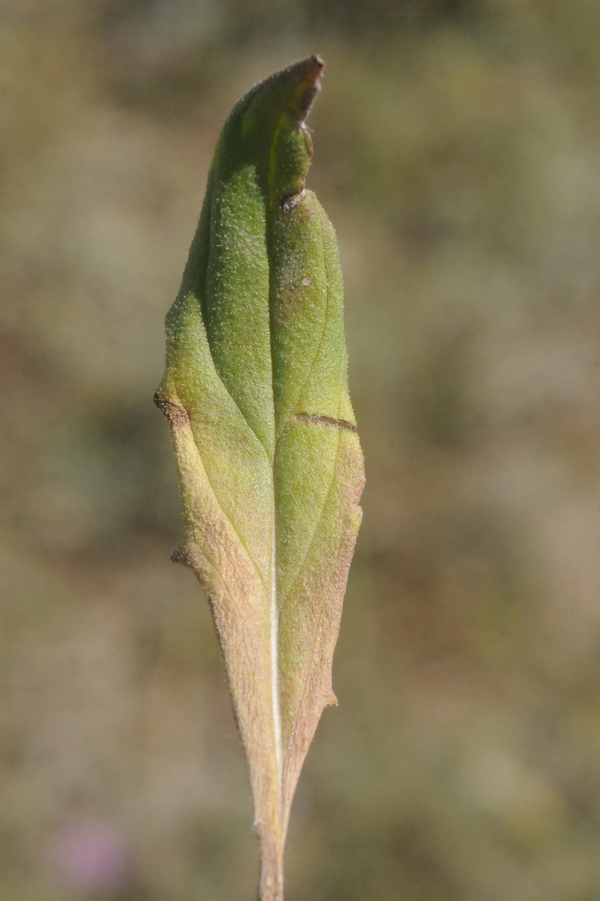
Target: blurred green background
{"x": 457, "y": 151}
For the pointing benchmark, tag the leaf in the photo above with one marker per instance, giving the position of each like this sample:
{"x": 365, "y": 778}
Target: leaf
{"x": 269, "y": 464}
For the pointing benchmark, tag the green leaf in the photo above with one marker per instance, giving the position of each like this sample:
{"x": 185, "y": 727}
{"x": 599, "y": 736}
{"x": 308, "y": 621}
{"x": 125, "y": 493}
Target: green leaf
{"x": 269, "y": 464}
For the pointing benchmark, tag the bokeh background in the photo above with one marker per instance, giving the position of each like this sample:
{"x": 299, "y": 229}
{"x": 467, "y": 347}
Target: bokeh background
{"x": 458, "y": 155}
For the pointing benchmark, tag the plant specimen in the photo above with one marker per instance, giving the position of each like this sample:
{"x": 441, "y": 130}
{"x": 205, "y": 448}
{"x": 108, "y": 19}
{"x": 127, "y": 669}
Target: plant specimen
{"x": 269, "y": 464}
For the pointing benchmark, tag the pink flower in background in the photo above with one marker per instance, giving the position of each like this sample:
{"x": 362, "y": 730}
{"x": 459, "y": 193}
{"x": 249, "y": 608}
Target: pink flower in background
{"x": 91, "y": 854}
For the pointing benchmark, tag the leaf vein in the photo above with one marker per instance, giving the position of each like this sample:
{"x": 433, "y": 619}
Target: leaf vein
{"x": 232, "y": 524}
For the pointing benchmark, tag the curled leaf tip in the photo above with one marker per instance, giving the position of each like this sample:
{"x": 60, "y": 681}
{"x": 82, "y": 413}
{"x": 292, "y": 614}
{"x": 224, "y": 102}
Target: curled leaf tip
{"x": 310, "y": 71}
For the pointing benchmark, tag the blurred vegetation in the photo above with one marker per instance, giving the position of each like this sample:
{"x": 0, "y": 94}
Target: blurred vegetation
{"x": 457, "y": 153}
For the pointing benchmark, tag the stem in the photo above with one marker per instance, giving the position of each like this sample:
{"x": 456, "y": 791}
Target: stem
{"x": 270, "y": 886}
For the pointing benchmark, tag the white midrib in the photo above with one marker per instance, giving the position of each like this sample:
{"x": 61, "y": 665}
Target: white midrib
{"x": 274, "y": 627}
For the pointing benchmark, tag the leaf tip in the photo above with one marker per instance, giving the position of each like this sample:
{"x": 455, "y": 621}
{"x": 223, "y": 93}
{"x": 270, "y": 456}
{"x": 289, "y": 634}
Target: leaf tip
{"x": 310, "y": 70}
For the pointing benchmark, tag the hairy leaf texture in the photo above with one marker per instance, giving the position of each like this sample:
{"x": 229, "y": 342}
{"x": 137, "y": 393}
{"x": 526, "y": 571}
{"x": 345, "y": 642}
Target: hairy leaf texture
{"x": 269, "y": 464}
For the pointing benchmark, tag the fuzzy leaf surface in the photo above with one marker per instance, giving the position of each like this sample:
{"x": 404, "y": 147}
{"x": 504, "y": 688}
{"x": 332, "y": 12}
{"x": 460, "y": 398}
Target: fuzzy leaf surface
{"x": 269, "y": 464}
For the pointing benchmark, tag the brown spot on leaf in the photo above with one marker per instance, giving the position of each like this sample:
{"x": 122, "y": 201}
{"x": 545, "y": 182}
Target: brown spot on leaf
{"x": 176, "y": 415}
{"x": 325, "y": 420}
{"x": 289, "y": 203}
